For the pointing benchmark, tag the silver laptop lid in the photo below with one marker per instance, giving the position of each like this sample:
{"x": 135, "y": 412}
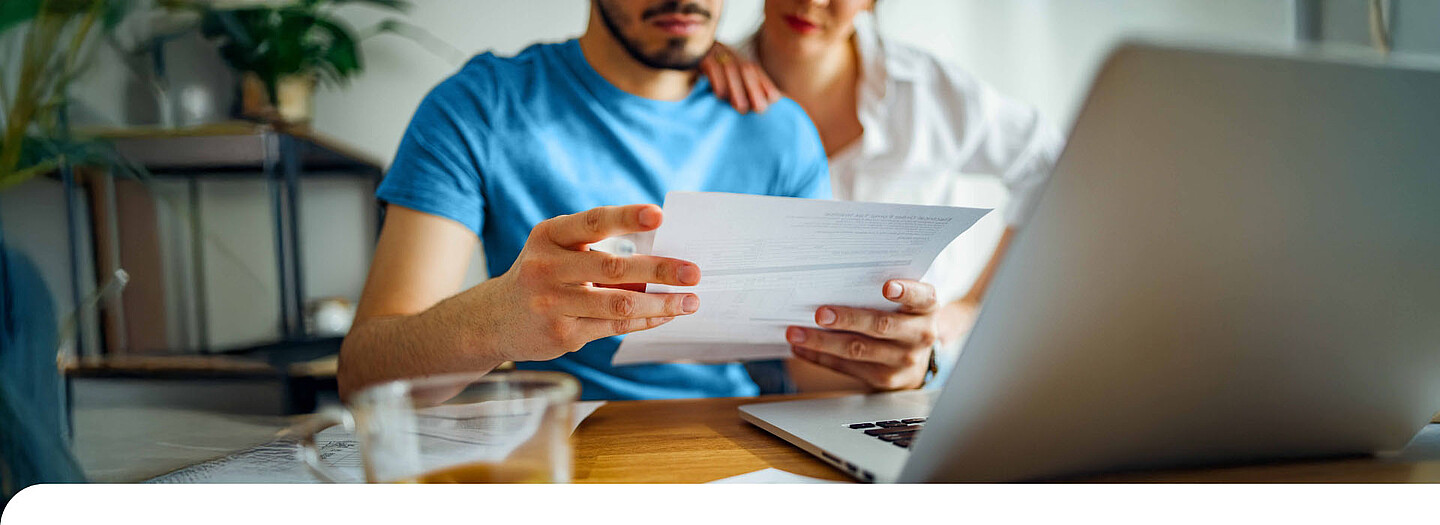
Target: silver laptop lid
{"x": 1238, "y": 258}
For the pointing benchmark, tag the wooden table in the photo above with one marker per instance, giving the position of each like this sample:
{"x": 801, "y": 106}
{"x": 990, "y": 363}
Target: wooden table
{"x": 701, "y": 440}
{"x": 684, "y": 441}
{"x": 679, "y": 441}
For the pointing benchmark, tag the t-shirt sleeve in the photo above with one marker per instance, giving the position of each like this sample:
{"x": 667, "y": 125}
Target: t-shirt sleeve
{"x": 437, "y": 167}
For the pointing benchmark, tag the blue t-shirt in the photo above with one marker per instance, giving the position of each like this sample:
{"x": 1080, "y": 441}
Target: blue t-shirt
{"x": 508, "y": 142}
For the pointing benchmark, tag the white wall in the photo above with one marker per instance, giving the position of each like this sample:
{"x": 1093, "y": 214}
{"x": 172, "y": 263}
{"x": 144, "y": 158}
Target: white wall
{"x": 1042, "y": 51}
{"x": 1045, "y": 51}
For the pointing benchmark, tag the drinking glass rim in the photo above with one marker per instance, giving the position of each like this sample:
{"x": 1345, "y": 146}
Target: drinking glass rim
{"x": 561, "y": 386}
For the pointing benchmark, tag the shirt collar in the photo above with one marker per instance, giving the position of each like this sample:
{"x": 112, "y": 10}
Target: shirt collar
{"x": 875, "y": 67}
{"x": 878, "y": 72}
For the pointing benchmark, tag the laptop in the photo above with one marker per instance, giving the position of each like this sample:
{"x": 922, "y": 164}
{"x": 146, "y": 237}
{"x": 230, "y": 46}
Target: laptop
{"x": 1237, "y": 259}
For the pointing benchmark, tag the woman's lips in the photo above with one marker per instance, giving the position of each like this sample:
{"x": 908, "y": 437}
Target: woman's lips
{"x": 801, "y": 25}
{"x": 678, "y": 25}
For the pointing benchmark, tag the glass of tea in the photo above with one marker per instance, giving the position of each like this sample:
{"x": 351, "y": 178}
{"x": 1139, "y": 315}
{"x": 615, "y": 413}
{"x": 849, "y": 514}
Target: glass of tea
{"x": 501, "y": 427}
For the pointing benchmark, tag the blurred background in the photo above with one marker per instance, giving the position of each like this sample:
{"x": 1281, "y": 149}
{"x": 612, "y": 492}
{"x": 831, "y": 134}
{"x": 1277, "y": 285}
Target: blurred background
{"x": 243, "y": 223}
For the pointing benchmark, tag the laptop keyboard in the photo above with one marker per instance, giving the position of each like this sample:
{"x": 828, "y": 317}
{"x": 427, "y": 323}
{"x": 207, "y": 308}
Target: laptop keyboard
{"x": 898, "y": 432}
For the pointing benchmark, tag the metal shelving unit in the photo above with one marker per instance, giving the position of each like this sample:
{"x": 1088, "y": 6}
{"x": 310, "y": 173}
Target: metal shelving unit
{"x": 281, "y": 157}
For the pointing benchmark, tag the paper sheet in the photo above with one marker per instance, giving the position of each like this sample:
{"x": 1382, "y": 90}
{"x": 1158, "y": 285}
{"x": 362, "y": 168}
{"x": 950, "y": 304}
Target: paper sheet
{"x": 276, "y": 462}
{"x": 582, "y": 410}
{"x": 279, "y": 461}
{"x": 770, "y": 262}
{"x": 772, "y": 475}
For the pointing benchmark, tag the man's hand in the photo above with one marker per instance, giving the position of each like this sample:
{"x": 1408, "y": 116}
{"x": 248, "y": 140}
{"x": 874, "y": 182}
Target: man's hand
{"x": 411, "y": 323}
{"x": 553, "y": 300}
{"x": 886, "y": 350}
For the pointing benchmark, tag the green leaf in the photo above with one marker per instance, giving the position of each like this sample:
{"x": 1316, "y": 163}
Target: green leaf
{"x": 237, "y": 25}
{"x": 21, "y": 175}
{"x": 298, "y": 38}
{"x": 67, "y": 8}
{"x": 42, "y": 155}
{"x": 34, "y": 150}
{"x": 290, "y": 52}
{"x": 342, "y": 54}
{"x": 245, "y": 37}
{"x": 115, "y": 11}
{"x": 101, "y": 153}
{"x": 16, "y": 12}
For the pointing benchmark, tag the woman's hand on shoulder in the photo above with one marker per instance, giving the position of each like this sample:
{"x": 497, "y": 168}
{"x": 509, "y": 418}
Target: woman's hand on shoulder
{"x": 738, "y": 81}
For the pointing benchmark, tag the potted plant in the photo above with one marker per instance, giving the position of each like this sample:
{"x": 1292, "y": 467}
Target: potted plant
{"x": 284, "y": 48}
{"x": 58, "y": 37}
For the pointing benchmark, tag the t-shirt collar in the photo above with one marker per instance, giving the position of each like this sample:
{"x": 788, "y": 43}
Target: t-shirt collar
{"x": 610, "y": 93}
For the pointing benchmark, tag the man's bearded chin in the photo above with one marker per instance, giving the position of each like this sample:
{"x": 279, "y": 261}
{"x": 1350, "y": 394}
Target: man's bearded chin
{"x": 672, "y": 56}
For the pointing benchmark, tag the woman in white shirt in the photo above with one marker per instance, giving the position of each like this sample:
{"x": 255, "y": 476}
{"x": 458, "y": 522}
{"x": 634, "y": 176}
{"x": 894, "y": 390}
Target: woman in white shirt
{"x": 899, "y": 126}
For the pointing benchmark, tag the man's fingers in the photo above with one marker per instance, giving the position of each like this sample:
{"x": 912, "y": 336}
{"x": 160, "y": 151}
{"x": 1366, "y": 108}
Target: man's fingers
{"x": 597, "y": 224}
{"x": 851, "y": 347}
{"x": 913, "y": 296}
{"x": 871, "y": 373}
{"x": 894, "y": 326}
{"x": 604, "y": 303}
{"x": 754, "y": 86}
{"x": 604, "y": 268}
{"x": 592, "y": 329}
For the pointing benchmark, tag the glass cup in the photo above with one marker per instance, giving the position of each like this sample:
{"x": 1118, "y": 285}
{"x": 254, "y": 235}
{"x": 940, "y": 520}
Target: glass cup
{"x": 501, "y": 427}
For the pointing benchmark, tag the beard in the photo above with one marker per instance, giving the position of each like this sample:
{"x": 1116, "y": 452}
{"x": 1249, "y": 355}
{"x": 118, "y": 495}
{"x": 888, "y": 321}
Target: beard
{"x": 673, "y": 54}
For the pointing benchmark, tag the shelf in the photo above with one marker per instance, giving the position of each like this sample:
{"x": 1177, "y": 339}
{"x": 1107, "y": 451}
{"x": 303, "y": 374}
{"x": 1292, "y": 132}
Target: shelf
{"x": 239, "y": 147}
{"x": 177, "y": 367}
{"x": 280, "y": 156}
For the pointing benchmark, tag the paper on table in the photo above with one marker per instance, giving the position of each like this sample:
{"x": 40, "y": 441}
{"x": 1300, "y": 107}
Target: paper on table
{"x": 276, "y": 462}
{"x": 279, "y": 461}
{"x": 769, "y": 262}
{"x": 772, "y": 475}
{"x": 582, "y": 410}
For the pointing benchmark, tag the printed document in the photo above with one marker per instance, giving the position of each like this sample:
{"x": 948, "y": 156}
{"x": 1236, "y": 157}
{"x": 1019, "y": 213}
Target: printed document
{"x": 769, "y": 262}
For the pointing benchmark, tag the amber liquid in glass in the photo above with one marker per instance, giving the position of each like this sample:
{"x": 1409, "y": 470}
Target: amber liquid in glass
{"x": 486, "y": 473}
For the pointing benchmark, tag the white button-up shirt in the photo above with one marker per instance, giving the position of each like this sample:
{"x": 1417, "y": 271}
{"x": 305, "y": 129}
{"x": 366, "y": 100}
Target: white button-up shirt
{"x": 936, "y": 135}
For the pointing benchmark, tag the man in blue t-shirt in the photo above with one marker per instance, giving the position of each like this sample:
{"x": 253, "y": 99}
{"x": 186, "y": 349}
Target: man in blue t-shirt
{"x": 539, "y": 155}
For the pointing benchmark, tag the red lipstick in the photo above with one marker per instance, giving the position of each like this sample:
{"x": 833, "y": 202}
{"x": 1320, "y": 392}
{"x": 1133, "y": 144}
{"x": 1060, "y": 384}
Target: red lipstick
{"x": 801, "y": 25}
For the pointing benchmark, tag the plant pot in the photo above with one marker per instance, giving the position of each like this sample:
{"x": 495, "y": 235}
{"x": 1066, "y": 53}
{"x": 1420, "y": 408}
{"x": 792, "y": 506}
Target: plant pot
{"x": 295, "y": 97}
